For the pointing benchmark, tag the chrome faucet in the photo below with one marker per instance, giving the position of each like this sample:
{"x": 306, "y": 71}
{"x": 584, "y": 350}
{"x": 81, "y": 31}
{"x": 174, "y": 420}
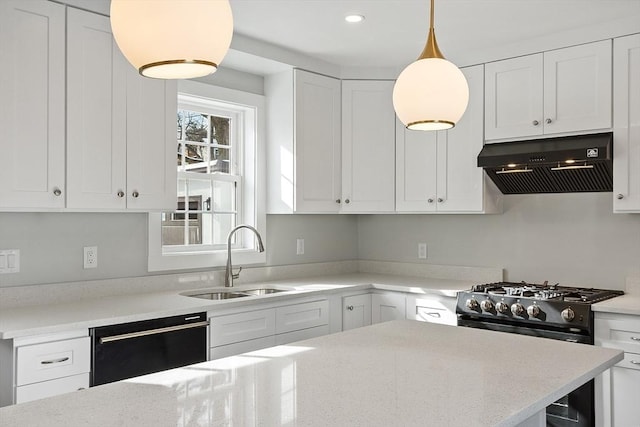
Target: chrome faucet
{"x": 228, "y": 274}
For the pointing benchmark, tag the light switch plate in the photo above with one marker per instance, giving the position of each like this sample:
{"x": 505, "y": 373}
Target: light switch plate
{"x": 300, "y": 247}
{"x": 422, "y": 251}
{"x": 9, "y": 261}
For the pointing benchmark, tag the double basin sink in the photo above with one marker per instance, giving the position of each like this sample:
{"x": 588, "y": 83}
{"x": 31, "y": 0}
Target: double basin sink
{"x": 232, "y": 293}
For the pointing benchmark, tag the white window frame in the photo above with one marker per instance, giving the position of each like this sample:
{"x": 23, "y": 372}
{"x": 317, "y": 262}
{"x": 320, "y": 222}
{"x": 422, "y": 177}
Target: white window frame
{"x": 252, "y": 197}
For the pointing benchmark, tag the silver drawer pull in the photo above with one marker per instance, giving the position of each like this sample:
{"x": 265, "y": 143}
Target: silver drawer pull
{"x": 635, "y": 362}
{"x": 51, "y": 362}
{"x": 571, "y": 340}
{"x": 152, "y": 332}
{"x": 433, "y": 314}
{"x": 635, "y": 338}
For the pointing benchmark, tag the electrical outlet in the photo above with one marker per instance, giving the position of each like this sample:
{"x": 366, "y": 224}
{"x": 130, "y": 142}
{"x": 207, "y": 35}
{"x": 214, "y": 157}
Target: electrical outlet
{"x": 422, "y": 250}
{"x": 10, "y": 261}
{"x": 90, "y": 257}
{"x": 300, "y": 247}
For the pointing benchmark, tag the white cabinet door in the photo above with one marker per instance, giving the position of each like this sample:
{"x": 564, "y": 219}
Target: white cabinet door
{"x": 559, "y": 91}
{"x": 460, "y": 182}
{"x": 301, "y": 316}
{"x": 416, "y": 170}
{"x": 96, "y": 114}
{"x": 577, "y": 88}
{"x": 356, "y": 311}
{"x": 438, "y": 172}
{"x": 368, "y": 146}
{"x": 387, "y": 307}
{"x": 32, "y": 150}
{"x": 317, "y": 143}
{"x": 513, "y": 103}
{"x": 626, "y": 124}
{"x": 151, "y": 142}
{"x": 233, "y": 328}
{"x": 624, "y": 390}
{"x": 27, "y": 393}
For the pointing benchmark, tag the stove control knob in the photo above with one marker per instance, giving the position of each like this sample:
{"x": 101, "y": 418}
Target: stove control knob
{"x": 472, "y": 304}
{"x": 568, "y": 314}
{"x": 486, "y": 305}
{"x": 502, "y": 307}
{"x": 517, "y": 309}
{"x": 533, "y": 311}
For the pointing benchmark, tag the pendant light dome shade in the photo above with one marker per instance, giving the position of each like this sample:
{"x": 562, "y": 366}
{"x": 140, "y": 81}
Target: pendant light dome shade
{"x": 173, "y": 39}
{"x": 430, "y": 94}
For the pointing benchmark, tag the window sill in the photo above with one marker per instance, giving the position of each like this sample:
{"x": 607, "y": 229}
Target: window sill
{"x": 190, "y": 260}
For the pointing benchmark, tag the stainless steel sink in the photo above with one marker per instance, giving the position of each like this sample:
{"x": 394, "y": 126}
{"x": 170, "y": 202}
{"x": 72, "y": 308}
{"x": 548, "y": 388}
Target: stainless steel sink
{"x": 262, "y": 291}
{"x": 217, "y": 295}
{"x": 230, "y": 294}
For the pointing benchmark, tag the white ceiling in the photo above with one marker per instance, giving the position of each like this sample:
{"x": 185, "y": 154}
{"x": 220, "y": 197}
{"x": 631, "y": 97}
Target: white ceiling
{"x": 394, "y": 31}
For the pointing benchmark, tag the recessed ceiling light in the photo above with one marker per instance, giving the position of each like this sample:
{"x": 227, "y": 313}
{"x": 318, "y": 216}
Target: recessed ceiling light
{"x": 354, "y": 18}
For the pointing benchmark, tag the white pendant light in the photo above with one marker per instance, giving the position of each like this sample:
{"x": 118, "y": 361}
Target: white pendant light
{"x": 431, "y": 93}
{"x": 172, "y": 39}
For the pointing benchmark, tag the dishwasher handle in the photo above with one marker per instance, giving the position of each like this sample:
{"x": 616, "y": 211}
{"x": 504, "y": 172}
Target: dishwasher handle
{"x": 156, "y": 331}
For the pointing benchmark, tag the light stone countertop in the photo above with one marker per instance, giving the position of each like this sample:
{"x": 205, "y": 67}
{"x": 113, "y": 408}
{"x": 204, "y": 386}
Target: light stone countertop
{"x": 624, "y": 304}
{"x": 108, "y": 310}
{"x": 404, "y": 373}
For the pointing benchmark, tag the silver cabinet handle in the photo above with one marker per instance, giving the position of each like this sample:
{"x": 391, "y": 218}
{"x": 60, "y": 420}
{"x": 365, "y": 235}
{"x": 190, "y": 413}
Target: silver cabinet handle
{"x": 52, "y": 361}
{"x": 138, "y": 334}
{"x": 120, "y": 193}
{"x": 571, "y": 340}
{"x": 433, "y": 314}
{"x": 635, "y": 338}
{"x": 535, "y": 123}
{"x": 619, "y": 197}
{"x": 338, "y": 201}
{"x": 440, "y": 200}
{"x": 57, "y": 191}
{"x": 429, "y": 200}
{"x": 135, "y": 194}
{"x": 350, "y": 307}
{"x": 547, "y": 121}
{"x": 347, "y": 201}
{"x": 635, "y": 362}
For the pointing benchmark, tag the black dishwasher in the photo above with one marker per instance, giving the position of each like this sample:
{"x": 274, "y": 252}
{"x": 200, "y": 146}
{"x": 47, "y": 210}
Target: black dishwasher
{"x": 130, "y": 349}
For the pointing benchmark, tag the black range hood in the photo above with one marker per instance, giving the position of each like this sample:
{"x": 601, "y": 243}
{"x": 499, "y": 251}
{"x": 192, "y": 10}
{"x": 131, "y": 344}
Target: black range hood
{"x": 569, "y": 164}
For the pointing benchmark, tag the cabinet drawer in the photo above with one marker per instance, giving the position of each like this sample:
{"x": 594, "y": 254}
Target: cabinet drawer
{"x": 241, "y": 327}
{"x": 618, "y": 331}
{"x": 47, "y": 361}
{"x": 631, "y": 361}
{"x": 27, "y": 393}
{"x": 433, "y": 310}
{"x": 302, "y": 316}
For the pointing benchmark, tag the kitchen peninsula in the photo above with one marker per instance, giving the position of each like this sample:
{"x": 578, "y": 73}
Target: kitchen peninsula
{"x": 394, "y": 373}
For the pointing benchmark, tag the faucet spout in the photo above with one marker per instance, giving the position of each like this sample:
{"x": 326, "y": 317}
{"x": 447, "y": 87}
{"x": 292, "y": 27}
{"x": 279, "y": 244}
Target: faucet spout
{"x": 228, "y": 274}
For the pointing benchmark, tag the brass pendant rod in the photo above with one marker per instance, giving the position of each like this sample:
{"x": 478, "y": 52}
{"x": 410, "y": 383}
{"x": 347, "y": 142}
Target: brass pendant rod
{"x": 431, "y": 49}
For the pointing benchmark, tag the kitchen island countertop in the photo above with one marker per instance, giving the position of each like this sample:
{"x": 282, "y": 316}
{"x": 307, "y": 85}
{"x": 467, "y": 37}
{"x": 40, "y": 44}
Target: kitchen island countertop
{"x": 396, "y": 373}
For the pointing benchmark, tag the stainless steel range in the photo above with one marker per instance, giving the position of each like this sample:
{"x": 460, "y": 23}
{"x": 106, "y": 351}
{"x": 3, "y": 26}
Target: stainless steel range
{"x": 543, "y": 310}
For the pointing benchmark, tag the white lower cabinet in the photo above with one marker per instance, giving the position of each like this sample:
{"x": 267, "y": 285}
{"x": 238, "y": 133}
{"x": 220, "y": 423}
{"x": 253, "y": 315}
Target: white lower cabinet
{"x": 387, "y": 306}
{"x": 42, "y": 366}
{"x": 266, "y": 326}
{"x": 618, "y": 388}
{"x": 356, "y": 311}
{"x": 432, "y": 308}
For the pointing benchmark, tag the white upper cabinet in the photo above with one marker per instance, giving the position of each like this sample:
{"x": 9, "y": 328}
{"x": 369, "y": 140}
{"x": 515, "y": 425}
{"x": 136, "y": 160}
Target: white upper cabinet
{"x": 560, "y": 91}
{"x": 438, "y": 172}
{"x": 304, "y": 143}
{"x": 32, "y": 145}
{"x": 368, "y": 146}
{"x": 120, "y": 126}
{"x": 626, "y": 124}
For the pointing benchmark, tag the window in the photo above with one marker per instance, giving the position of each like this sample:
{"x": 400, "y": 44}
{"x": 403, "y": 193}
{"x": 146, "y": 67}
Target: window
{"x": 217, "y": 168}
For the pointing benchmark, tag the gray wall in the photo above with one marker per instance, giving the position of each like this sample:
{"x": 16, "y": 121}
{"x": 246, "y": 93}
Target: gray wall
{"x": 574, "y": 239}
{"x": 51, "y": 244}
{"x": 569, "y": 238}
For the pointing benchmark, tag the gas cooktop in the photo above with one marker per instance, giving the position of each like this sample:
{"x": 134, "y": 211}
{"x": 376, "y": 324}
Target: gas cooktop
{"x": 545, "y": 291}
